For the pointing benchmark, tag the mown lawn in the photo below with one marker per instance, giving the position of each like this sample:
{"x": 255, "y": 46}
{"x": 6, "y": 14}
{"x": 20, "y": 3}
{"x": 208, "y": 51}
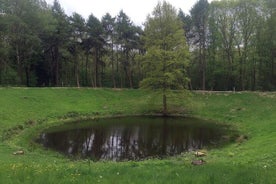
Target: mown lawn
{"x": 25, "y": 111}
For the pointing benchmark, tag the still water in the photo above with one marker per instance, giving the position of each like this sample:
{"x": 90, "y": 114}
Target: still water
{"x": 132, "y": 138}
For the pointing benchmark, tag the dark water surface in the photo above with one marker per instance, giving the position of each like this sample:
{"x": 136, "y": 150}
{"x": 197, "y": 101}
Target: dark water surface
{"x": 132, "y": 138}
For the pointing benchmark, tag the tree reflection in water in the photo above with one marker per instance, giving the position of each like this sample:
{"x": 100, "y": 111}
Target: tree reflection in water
{"x": 132, "y": 138}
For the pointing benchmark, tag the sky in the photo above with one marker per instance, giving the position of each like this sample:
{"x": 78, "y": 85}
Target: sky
{"x": 137, "y": 10}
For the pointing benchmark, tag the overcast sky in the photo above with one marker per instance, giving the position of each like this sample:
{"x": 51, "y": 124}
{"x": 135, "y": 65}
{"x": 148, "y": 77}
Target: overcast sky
{"x": 137, "y": 10}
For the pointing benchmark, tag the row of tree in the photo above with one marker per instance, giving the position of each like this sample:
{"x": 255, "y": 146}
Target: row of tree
{"x": 233, "y": 44}
{"x": 42, "y": 46}
{"x": 229, "y": 44}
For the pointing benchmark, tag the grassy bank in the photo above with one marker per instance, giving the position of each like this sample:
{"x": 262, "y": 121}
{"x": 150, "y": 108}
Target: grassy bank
{"x": 25, "y": 111}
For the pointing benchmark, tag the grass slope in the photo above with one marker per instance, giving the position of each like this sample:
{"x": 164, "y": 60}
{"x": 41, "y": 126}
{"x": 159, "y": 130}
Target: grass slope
{"x": 25, "y": 111}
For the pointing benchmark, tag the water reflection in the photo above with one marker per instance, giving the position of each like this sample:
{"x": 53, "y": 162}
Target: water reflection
{"x": 132, "y": 138}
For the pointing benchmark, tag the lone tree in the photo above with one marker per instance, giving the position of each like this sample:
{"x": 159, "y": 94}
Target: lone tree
{"x": 167, "y": 55}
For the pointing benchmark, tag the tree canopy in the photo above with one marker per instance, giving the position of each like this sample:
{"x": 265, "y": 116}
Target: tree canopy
{"x": 230, "y": 43}
{"x": 167, "y": 53}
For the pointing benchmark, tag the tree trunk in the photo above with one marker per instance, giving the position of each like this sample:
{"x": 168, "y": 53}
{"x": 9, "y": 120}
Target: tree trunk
{"x": 112, "y": 65}
{"x": 204, "y": 76}
{"x": 77, "y": 74}
{"x": 86, "y": 69}
{"x": 128, "y": 70}
{"x": 55, "y": 68}
{"x": 27, "y": 72}
{"x": 165, "y": 108}
{"x": 19, "y": 65}
{"x": 96, "y": 69}
{"x": 202, "y": 67}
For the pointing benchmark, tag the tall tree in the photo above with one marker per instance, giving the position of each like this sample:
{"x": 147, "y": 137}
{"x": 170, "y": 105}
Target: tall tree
{"x": 224, "y": 18}
{"x": 166, "y": 58}
{"x": 247, "y": 12}
{"x": 126, "y": 34}
{"x": 266, "y": 47}
{"x": 58, "y": 43}
{"x": 199, "y": 15}
{"x": 23, "y": 31}
{"x": 108, "y": 23}
{"x": 77, "y": 36}
{"x": 95, "y": 44}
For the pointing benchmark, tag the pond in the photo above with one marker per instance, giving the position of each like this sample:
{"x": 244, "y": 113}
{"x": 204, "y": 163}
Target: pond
{"x": 133, "y": 138}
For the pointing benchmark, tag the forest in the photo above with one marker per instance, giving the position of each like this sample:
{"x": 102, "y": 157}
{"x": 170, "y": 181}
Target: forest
{"x": 225, "y": 45}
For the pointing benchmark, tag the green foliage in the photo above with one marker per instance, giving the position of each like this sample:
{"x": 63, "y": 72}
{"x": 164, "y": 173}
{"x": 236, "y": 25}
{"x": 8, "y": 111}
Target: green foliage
{"x": 166, "y": 57}
{"x": 199, "y": 19}
{"x": 9, "y": 76}
{"x": 128, "y": 45}
{"x": 231, "y": 43}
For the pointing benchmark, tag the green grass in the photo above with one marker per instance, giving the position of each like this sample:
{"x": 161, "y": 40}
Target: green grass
{"x": 25, "y": 111}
